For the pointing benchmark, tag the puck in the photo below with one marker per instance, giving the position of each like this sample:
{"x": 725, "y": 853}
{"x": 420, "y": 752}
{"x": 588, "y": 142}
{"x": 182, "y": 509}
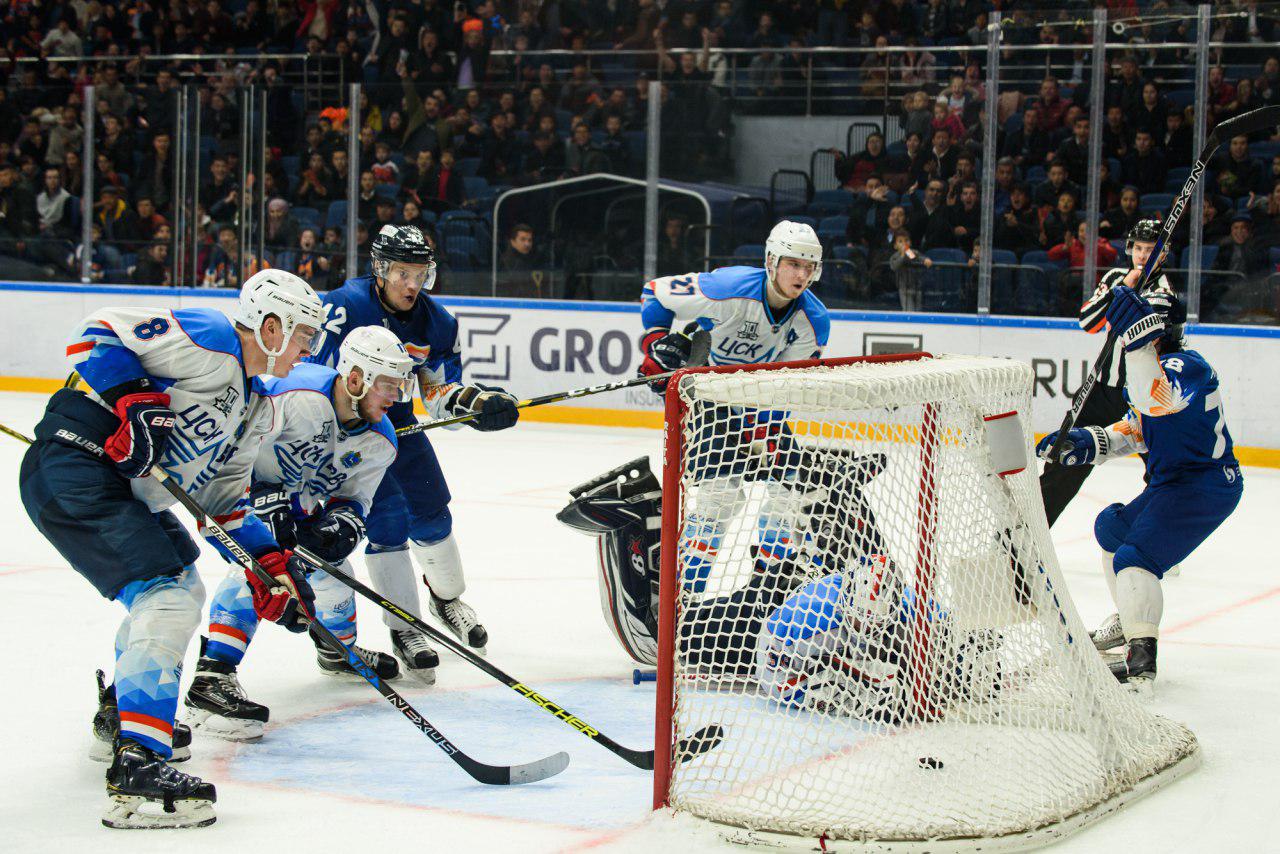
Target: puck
{"x": 930, "y": 763}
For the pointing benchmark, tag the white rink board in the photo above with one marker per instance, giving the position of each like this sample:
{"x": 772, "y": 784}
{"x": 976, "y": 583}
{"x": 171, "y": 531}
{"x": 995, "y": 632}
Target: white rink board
{"x": 539, "y": 347}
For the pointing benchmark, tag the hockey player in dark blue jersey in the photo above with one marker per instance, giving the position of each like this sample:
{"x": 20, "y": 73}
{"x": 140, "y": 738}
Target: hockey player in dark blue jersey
{"x": 410, "y": 514}
{"x": 1194, "y": 481}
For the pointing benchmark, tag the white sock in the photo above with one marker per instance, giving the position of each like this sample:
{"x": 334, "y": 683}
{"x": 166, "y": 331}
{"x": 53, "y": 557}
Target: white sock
{"x": 1140, "y": 601}
{"x": 393, "y": 576}
{"x": 442, "y": 566}
{"x": 1109, "y": 573}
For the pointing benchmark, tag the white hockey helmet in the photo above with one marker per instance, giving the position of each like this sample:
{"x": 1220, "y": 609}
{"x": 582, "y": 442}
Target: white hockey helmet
{"x": 286, "y": 296}
{"x": 378, "y": 353}
{"x": 792, "y": 240}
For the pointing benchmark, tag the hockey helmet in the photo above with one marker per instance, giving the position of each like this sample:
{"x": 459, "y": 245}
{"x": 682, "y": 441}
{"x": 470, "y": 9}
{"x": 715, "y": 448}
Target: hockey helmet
{"x": 792, "y": 240}
{"x": 1145, "y": 231}
{"x": 279, "y": 293}
{"x": 380, "y": 356}
{"x": 404, "y": 244}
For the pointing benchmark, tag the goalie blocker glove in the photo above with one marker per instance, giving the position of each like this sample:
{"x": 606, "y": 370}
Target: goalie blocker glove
{"x": 145, "y": 424}
{"x": 1134, "y": 320}
{"x": 496, "y": 407}
{"x": 334, "y": 533}
{"x": 1083, "y": 447}
{"x": 290, "y": 601}
{"x": 664, "y": 351}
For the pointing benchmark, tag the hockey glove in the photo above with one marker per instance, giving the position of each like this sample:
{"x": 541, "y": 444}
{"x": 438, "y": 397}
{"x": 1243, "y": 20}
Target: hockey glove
{"x": 333, "y": 534}
{"x": 145, "y": 424}
{"x": 1084, "y": 445}
{"x": 290, "y": 601}
{"x": 664, "y": 351}
{"x": 271, "y": 504}
{"x": 1133, "y": 318}
{"x": 497, "y": 409}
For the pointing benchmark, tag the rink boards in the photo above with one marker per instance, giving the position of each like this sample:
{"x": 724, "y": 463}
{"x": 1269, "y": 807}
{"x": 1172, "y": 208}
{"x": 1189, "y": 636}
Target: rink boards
{"x": 544, "y": 346}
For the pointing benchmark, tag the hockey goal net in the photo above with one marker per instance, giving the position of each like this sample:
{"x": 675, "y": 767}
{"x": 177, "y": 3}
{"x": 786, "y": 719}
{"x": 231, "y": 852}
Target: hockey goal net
{"x": 859, "y": 587}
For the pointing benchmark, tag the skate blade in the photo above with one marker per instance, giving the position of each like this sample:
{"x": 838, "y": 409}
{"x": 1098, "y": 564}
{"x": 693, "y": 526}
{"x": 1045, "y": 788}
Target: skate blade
{"x": 1142, "y": 687}
{"x": 425, "y": 676}
{"x": 132, "y": 812}
{"x": 217, "y": 726}
{"x": 100, "y": 751}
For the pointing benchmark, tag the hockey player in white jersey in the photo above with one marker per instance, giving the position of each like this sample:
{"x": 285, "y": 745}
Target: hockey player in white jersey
{"x": 753, "y": 315}
{"x": 173, "y": 389}
{"x": 322, "y": 459}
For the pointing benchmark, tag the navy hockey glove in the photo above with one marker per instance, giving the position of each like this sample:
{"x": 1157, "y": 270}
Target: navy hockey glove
{"x": 145, "y": 424}
{"x": 1083, "y": 446}
{"x": 290, "y": 601}
{"x": 497, "y": 409}
{"x": 271, "y": 504}
{"x": 1133, "y": 318}
{"x": 332, "y": 534}
{"x": 664, "y": 351}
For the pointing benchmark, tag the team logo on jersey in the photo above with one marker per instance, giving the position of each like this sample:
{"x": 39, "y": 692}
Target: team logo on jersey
{"x": 418, "y": 352}
{"x": 750, "y": 330}
{"x": 350, "y": 459}
{"x": 226, "y": 400}
{"x": 325, "y": 434}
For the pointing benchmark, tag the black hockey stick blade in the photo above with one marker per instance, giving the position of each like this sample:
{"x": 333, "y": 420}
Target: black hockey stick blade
{"x": 705, "y": 739}
{"x": 493, "y": 775}
{"x": 1245, "y": 123}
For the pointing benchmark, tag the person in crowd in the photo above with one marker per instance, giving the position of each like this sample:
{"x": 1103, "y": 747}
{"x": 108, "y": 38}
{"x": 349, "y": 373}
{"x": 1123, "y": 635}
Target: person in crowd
{"x": 153, "y": 265}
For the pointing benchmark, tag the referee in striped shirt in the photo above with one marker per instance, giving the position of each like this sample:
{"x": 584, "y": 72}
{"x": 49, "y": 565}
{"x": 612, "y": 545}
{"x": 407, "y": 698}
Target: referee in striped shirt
{"x": 1106, "y": 404}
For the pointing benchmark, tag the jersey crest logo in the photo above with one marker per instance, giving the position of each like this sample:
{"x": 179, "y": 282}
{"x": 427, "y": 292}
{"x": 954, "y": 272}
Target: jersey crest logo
{"x": 750, "y": 330}
{"x": 418, "y": 352}
{"x": 350, "y": 459}
{"x": 325, "y": 434}
{"x": 226, "y": 400}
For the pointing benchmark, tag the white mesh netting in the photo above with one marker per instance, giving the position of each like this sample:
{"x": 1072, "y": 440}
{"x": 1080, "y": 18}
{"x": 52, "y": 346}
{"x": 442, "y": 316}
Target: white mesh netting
{"x": 878, "y": 620}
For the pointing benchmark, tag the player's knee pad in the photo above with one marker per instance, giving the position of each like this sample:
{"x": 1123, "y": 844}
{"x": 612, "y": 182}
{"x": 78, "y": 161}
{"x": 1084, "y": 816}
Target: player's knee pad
{"x": 164, "y": 612}
{"x": 1129, "y": 555}
{"x": 432, "y": 528}
{"x": 1110, "y": 529}
{"x": 387, "y": 525}
{"x": 441, "y": 566}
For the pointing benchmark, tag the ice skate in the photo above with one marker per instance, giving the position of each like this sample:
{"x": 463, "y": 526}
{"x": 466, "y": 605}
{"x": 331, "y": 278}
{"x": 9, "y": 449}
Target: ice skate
{"x": 146, "y": 793}
{"x": 217, "y": 705}
{"x": 418, "y": 655}
{"x": 460, "y": 619}
{"x": 333, "y": 664}
{"x": 1138, "y": 670}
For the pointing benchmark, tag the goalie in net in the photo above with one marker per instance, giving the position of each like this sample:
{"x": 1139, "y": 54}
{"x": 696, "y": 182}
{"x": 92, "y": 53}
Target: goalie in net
{"x": 823, "y": 619}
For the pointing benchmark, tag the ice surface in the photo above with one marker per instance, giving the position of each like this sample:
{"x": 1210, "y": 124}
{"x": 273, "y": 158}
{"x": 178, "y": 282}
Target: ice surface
{"x": 339, "y": 770}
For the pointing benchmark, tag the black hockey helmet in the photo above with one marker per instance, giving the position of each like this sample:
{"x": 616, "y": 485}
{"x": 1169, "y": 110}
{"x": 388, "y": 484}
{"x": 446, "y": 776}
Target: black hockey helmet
{"x": 1175, "y": 315}
{"x": 405, "y": 244}
{"x": 1145, "y": 231}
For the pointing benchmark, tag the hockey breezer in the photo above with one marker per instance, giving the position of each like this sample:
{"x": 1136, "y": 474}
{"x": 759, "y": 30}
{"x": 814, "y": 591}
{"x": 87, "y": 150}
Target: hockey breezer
{"x": 699, "y": 351}
{"x": 707, "y": 738}
{"x": 493, "y": 775}
{"x": 1245, "y": 123}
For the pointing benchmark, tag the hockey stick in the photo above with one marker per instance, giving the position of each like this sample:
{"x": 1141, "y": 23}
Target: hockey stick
{"x": 493, "y": 775}
{"x": 707, "y": 738}
{"x": 1245, "y": 123}
{"x": 699, "y": 352}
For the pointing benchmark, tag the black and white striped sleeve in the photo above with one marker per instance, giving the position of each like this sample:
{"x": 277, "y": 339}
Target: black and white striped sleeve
{"x": 1093, "y": 314}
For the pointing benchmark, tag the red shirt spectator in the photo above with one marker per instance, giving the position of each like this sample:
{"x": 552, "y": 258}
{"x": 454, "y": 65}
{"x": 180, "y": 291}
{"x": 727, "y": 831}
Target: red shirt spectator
{"x": 1074, "y": 248}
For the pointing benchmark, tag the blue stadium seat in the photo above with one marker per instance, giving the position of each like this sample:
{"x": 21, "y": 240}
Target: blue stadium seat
{"x": 1266, "y": 150}
{"x": 806, "y": 220}
{"x": 1181, "y": 98}
{"x": 336, "y": 217}
{"x": 469, "y": 167}
{"x": 1155, "y": 202}
{"x": 749, "y": 250}
{"x": 306, "y": 216}
{"x": 832, "y": 228}
{"x": 1036, "y": 175}
{"x": 839, "y": 199}
{"x": 461, "y": 246}
{"x": 473, "y": 187}
{"x": 291, "y": 164}
{"x": 1003, "y": 280}
{"x": 944, "y": 286}
{"x": 1208, "y": 254}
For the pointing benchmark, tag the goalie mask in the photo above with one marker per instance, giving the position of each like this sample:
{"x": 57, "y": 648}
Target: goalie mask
{"x": 623, "y": 507}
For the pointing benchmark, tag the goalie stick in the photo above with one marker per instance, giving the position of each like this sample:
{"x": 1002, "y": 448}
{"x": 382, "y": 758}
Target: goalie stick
{"x": 1245, "y": 123}
{"x": 493, "y": 775}
{"x": 699, "y": 352}
{"x": 707, "y": 738}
